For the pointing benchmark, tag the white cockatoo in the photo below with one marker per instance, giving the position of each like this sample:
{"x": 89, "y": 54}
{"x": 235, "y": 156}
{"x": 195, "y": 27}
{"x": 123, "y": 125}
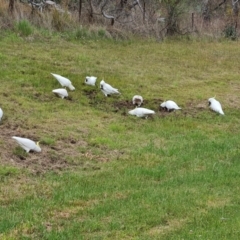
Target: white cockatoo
{"x": 137, "y": 100}
{"x": 1, "y": 114}
{"x": 215, "y": 105}
{"x": 65, "y": 82}
{"x": 170, "y": 105}
{"x": 108, "y": 89}
{"x": 141, "y": 112}
{"x": 28, "y": 144}
{"x": 61, "y": 92}
{"x": 90, "y": 80}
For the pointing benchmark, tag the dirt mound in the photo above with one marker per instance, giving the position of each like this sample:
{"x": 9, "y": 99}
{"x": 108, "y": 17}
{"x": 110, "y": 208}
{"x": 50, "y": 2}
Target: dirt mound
{"x": 51, "y": 158}
{"x": 191, "y": 108}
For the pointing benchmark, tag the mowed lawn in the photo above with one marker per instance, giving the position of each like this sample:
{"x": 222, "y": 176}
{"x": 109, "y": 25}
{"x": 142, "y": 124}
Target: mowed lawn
{"x": 103, "y": 174}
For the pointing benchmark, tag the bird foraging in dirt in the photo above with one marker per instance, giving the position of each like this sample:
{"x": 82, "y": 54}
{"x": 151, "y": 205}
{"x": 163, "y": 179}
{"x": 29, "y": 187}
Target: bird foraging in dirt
{"x": 141, "y": 112}
{"x": 215, "y": 105}
{"x": 90, "y": 80}
{"x": 1, "y": 114}
{"x": 170, "y": 105}
{"x": 108, "y": 89}
{"x": 61, "y": 92}
{"x": 137, "y": 100}
{"x": 65, "y": 82}
{"x": 28, "y": 144}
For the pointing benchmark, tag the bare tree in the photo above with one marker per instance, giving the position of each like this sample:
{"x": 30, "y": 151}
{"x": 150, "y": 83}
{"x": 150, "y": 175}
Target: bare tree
{"x": 11, "y": 5}
{"x": 235, "y": 7}
{"x": 80, "y": 10}
{"x": 120, "y": 11}
{"x": 206, "y": 11}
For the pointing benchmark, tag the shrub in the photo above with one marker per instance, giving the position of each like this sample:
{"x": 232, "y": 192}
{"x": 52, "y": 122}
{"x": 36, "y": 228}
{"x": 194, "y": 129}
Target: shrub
{"x": 24, "y": 27}
{"x": 230, "y": 32}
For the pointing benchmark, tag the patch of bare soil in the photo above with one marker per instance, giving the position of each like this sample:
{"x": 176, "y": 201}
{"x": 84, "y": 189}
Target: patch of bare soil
{"x": 63, "y": 155}
{"x": 192, "y": 107}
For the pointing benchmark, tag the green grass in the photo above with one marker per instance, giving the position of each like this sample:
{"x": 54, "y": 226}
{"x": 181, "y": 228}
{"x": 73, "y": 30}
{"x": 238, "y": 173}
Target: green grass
{"x": 103, "y": 174}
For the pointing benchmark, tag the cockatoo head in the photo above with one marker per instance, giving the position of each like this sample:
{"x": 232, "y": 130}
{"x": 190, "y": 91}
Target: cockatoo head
{"x": 37, "y": 148}
{"x": 210, "y": 100}
{"x": 132, "y": 112}
{"x": 163, "y": 105}
{"x": 101, "y": 84}
{"x": 137, "y": 100}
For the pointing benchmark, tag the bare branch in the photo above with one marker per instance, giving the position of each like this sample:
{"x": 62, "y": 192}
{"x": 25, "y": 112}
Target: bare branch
{"x": 233, "y": 3}
{"x": 106, "y": 15}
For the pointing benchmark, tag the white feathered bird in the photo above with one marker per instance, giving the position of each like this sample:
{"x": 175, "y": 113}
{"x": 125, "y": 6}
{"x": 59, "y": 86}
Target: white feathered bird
{"x": 137, "y": 100}
{"x": 61, "y": 92}
{"x": 215, "y": 105}
{"x": 28, "y": 144}
{"x": 141, "y": 112}
{"x": 65, "y": 82}
{"x": 1, "y": 114}
{"x": 108, "y": 89}
{"x": 90, "y": 80}
{"x": 170, "y": 105}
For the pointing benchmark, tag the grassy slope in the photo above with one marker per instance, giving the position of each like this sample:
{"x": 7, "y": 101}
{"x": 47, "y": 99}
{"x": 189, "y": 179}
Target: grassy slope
{"x": 172, "y": 177}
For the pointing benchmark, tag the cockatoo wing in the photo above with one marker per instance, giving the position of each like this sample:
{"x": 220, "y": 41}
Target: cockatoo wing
{"x": 216, "y": 106}
{"x": 109, "y": 89}
{"x": 145, "y": 111}
{"x": 1, "y": 114}
{"x": 61, "y": 92}
{"x": 65, "y": 82}
{"x": 27, "y": 144}
{"x": 141, "y": 112}
{"x": 172, "y": 105}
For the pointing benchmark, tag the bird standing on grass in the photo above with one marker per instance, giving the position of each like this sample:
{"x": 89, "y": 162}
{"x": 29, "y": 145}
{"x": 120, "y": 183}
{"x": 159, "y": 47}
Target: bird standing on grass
{"x": 90, "y": 80}
{"x": 170, "y": 105}
{"x": 61, "y": 92}
{"x": 108, "y": 89}
{"x": 215, "y": 105}
{"x": 28, "y": 144}
{"x": 1, "y": 114}
{"x": 141, "y": 112}
{"x": 65, "y": 82}
{"x": 137, "y": 100}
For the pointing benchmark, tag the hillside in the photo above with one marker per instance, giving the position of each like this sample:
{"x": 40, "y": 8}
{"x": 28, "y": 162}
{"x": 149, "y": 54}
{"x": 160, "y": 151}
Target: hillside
{"x": 103, "y": 174}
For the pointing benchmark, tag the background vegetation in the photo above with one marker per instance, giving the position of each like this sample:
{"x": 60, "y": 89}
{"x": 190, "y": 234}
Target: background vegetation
{"x": 103, "y": 174}
{"x": 152, "y": 18}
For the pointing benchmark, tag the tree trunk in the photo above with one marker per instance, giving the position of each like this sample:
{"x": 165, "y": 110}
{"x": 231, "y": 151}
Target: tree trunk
{"x": 80, "y": 10}
{"x": 206, "y": 12}
{"x": 235, "y": 8}
{"x": 11, "y": 6}
{"x": 172, "y": 20}
{"x": 91, "y": 11}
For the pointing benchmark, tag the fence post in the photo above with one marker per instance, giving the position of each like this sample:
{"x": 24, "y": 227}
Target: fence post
{"x": 192, "y": 21}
